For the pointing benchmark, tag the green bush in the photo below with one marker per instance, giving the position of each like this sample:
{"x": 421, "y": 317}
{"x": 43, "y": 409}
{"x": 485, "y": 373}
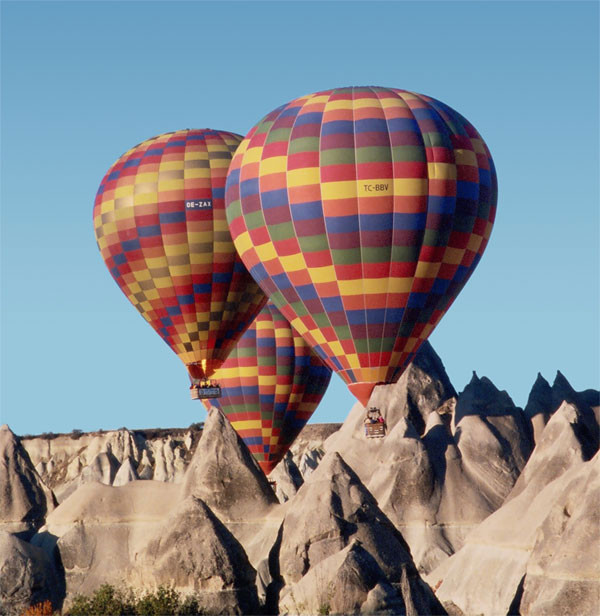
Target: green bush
{"x": 106, "y": 601}
{"x": 110, "y": 601}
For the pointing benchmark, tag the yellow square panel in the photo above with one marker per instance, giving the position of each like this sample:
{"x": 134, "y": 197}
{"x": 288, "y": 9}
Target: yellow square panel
{"x": 410, "y": 187}
{"x": 164, "y": 185}
{"x": 123, "y": 191}
{"x": 441, "y": 171}
{"x": 292, "y": 263}
{"x": 318, "y": 337}
{"x": 275, "y": 164}
{"x": 266, "y": 252}
{"x": 365, "y": 103}
{"x": 346, "y": 189}
{"x": 474, "y": 242}
{"x": 163, "y": 283}
{"x": 453, "y": 255}
{"x": 353, "y": 361}
{"x": 322, "y": 274}
{"x": 341, "y": 104}
{"x": 303, "y": 177}
{"x": 145, "y": 198}
{"x": 148, "y": 177}
{"x": 299, "y": 326}
{"x": 410, "y": 344}
{"x": 220, "y": 163}
{"x": 253, "y": 155}
{"x": 171, "y": 165}
{"x": 465, "y": 157}
{"x": 426, "y": 270}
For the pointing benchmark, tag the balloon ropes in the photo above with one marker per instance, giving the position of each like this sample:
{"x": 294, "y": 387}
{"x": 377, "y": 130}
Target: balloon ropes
{"x": 271, "y": 384}
{"x": 160, "y": 225}
{"x": 362, "y": 212}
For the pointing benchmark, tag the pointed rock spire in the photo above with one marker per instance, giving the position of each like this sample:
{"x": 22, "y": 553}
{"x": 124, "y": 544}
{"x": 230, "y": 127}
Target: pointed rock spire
{"x": 24, "y": 499}
{"x": 567, "y": 439}
{"x": 330, "y": 509}
{"x": 336, "y": 532}
{"x": 213, "y": 563}
{"x": 539, "y": 406}
{"x": 126, "y": 473}
{"x": 224, "y": 474}
{"x": 422, "y": 388}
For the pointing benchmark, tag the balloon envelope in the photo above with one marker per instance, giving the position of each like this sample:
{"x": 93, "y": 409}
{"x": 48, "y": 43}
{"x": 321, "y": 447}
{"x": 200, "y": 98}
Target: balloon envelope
{"x": 271, "y": 384}
{"x": 362, "y": 212}
{"x": 160, "y": 225}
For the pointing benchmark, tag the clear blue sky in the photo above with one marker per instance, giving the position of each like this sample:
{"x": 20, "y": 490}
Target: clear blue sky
{"x": 82, "y": 82}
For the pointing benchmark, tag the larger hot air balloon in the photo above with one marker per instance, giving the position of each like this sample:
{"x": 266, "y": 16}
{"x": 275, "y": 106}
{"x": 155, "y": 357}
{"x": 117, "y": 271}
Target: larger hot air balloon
{"x": 271, "y": 382}
{"x": 362, "y": 212}
{"x": 160, "y": 225}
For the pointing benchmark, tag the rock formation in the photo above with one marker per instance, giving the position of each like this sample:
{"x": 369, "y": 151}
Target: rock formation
{"x": 489, "y": 573}
{"x": 193, "y": 551}
{"x": 496, "y": 528}
{"x": 438, "y": 482}
{"x": 539, "y": 407}
{"x": 126, "y": 473}
{"x": 27, "y": 576}
{"x": 224, "y": 474}
{"x": 65, "y": 461}
{"x": 287, "y": 478}
{"x": 147, "y": 533}
{"x": 24, "y": 499}
{"x": 563, "y": 571}
{"x": 343, "y": 513}
{"x": 493, "y": 437}
{"x": 544, "y": 401}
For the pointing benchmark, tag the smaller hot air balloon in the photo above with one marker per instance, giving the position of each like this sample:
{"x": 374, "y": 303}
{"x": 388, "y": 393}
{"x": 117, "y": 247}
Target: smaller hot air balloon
{"x": 271, "y": 384}
{"x": 160, "y": 224}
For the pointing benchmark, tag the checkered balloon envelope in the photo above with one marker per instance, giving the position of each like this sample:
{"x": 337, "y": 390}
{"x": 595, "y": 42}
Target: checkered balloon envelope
{"x": 271, "y": 384}
{"x": 362, "y": 212}
{"x": 160, "y": 224}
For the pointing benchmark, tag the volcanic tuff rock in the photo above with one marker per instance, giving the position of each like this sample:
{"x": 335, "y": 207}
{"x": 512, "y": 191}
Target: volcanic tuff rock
{"x": 539, "y": 406}
{"x": 342, "y": 511}
{"x": 569, "y": 437}
{"x": 351, "y": 582}
{"x": 27, "y": 576}
{"x": 423, "y": 388}
{"x": 24, "y": 499}
{"x": 287, "y": 478}
{"x": 147, "y": 533}
{"x": 307, "y": 449}
{"x": 126, "y": 473}
{"x": 437, "y": 483}
{"x": 563, "y": 571}
{"x": 489, "y": 572}
{"x": 340, "y": 539}
{"x": 99, "y": 530}
{"x": 193, "y": 551}
{"x": 493, "y": 437}
{"x": 155, "y": 454}
{"x": 224, "y": 474}
{"x": 545, "y": 400}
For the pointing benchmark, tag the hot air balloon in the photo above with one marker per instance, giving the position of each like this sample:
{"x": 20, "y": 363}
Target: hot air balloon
{"x": 160, "y": 225}
{"x": 362, "y": 212}
{"x": 271, "y": 384}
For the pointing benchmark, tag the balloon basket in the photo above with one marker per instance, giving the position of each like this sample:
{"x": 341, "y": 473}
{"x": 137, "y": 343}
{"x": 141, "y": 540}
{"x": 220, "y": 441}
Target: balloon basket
{"x": 203, "y": 393}
{"x": 376, "y": 430}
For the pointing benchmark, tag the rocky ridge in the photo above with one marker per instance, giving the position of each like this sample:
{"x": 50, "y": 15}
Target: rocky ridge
{"x": 421, "y": 522}
{"x": 66, "y": 461}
